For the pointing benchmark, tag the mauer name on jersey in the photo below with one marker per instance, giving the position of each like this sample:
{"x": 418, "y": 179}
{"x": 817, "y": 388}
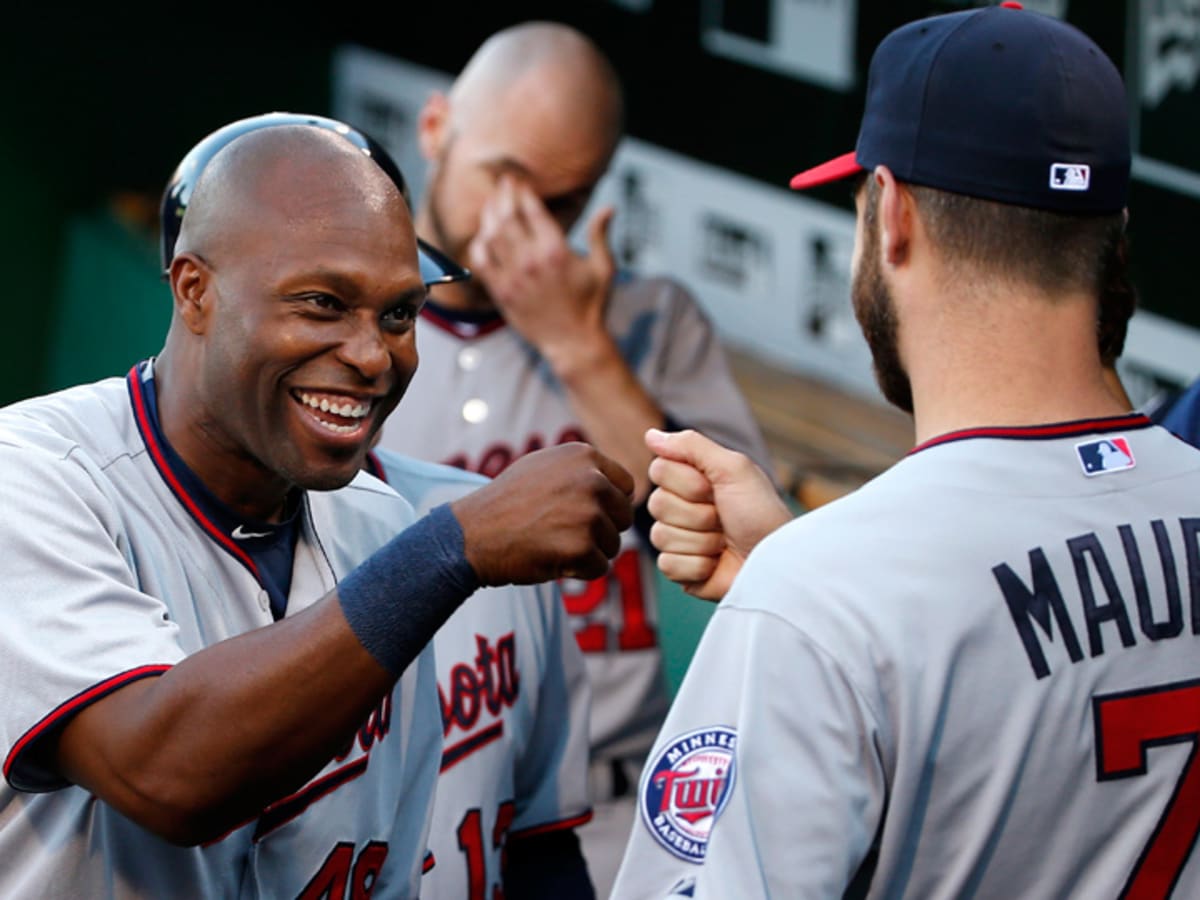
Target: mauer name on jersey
{"x": 491, "y": 684}
{"x": 1039, "y": 609}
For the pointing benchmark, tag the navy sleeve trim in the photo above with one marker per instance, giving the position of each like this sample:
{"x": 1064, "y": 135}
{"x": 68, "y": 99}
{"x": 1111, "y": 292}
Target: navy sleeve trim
{"x": 19, "y": 773}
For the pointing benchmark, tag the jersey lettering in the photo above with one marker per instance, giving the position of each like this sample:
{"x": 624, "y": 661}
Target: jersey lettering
{"x": 337, "y": 874}
{"x": 373, "y": 730}
{"x": 635, "y": 631}
{"x": 499, "y": 456}
{"x": 378, "y": 724}
{"x": 1038, "y": 606}
{"x": 470, "y": 841}
{"x": 1127, "y": 725}
{"x": 491, "y": 684}
{"x": 690, "y": 795}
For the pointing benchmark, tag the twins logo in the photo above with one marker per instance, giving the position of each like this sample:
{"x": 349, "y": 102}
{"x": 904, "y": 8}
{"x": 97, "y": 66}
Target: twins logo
{"x": 685, "y": 788}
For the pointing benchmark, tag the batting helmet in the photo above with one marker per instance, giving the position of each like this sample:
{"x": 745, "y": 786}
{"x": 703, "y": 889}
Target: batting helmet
{"x": 436, "y": 267}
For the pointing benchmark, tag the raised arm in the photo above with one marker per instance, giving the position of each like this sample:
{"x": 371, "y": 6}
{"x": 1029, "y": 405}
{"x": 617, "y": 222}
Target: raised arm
{"x": 206, "y": 745}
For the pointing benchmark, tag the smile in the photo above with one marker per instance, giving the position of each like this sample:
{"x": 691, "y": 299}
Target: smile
{"x": 338, "y": 414}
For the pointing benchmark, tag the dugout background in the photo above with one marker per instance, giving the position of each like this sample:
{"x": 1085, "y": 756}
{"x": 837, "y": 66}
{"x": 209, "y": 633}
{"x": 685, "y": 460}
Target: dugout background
{"x": 103, "y": 101}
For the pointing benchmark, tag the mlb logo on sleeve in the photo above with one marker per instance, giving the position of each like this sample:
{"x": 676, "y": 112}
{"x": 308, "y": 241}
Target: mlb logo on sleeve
{"x": 1105, "y": 456}
{"x": 1070, "y": 177}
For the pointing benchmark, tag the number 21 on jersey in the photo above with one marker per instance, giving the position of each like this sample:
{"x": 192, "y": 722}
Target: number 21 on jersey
{"x": 635, "y": 631}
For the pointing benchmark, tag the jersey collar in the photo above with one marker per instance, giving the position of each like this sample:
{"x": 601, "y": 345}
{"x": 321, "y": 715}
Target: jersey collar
{"x": 242, "y": 538}
{"x": 1048, "y": 432}
{"x": 463, "y": 324}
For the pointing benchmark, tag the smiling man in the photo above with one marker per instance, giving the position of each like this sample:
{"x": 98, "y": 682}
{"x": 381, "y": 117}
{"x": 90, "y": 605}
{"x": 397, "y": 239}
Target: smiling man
{"x": 208, "y": 631}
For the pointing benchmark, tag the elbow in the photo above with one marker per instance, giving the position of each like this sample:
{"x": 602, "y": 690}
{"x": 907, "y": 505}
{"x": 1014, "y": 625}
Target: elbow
{"x": 184, "y": 815}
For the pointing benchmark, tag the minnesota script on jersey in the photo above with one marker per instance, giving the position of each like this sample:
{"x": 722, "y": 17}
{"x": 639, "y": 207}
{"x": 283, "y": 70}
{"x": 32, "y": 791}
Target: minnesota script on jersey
{"x": 979, "y": 675}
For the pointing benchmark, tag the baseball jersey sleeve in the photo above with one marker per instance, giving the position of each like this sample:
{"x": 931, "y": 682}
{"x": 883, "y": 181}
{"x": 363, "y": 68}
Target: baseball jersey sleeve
{"x": 754, "y": 789}
{"x": 74, "y": 625}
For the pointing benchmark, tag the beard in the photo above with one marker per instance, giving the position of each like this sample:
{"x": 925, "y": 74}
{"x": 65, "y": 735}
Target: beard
{"x": 875, "y": 311}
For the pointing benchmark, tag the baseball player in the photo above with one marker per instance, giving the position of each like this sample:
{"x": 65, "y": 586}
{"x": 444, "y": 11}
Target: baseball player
{"x": 976, "y": 676}
{"x": 215, "y": 670}
{"x": 514, "y": 699}
{"x": 545, "y": 346}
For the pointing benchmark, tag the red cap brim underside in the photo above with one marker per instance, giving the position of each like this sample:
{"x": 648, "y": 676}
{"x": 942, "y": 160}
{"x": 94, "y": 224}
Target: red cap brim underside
{"x": 841, "y": 167}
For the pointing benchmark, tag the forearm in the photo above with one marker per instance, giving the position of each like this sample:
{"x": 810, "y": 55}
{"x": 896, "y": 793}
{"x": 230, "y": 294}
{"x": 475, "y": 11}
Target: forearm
{"x": 241, "y": 723}
{"x": 612, "y": 405}
{"x": 210, "y": 743}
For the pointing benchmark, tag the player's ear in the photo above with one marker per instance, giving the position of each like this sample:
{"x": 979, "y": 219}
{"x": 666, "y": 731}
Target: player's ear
{"x": 433, "y": 125}
{"x": 190, "y": 277}
{"x": 895, "y": 213}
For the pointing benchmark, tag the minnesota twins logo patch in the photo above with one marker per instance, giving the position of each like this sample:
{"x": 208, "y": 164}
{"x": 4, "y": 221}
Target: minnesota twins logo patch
{"x": 685, "y": 788}
{"x": 1105, "y": 456}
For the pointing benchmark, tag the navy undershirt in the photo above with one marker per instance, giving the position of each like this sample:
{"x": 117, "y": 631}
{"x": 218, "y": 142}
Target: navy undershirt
{"x": 272, "y": 545}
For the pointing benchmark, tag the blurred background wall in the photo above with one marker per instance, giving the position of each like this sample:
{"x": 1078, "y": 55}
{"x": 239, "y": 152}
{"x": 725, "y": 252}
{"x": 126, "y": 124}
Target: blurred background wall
{"x": 726, "y": 100}
{"x": 102, "y": 101}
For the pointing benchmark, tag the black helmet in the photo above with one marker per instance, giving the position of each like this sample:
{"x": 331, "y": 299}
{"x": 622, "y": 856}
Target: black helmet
{"x": 436, "y": 267}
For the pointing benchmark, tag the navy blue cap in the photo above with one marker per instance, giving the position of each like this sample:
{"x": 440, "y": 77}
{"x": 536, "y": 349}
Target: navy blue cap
{"x": 999, "y": 103}
{"x": 436, "y": 267}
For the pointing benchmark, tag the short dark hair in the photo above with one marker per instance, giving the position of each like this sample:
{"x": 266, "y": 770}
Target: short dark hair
{"x": 1054, "y": 251}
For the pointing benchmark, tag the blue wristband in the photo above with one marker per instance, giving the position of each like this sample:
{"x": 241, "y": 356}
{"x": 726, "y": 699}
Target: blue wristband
{"x": 400, "y": 595}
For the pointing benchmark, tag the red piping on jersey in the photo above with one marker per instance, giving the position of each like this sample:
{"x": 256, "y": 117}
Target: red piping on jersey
{"x": 462, "y": 330}
{"x": 160, "y": 463}
{"x": 456, "y": 753}
{"x": 429, "y": 862}
{"x": 561, "y": 825}
{"x": 1041, "y": 432}
{"x": 283, "y": 811}
{"x": 74, "y": 705}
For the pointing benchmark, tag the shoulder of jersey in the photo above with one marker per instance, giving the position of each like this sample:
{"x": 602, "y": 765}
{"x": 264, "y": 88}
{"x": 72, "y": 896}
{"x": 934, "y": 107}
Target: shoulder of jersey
{"x": 60, "y": 422}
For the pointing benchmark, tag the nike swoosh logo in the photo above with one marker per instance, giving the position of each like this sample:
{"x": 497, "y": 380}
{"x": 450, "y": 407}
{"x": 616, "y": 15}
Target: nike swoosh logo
{"x": 240, "y": 533}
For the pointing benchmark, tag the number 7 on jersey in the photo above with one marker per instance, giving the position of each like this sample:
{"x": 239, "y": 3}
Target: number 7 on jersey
{"x": 1126, "y": 726}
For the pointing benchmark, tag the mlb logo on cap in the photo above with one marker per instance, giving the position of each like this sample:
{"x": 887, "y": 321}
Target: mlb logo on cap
{"x": 1066, "y": 177}
{"x": 984, "y": 102}
{"x": 1105, "y": 456}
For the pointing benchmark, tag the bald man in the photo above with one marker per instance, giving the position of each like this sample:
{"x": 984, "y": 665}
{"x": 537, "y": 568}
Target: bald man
{"x": 546, "y": 345}
{"x": 210, "y": 625}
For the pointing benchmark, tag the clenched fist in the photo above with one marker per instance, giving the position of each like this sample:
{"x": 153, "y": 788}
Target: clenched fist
{"x": 556, "y": 513}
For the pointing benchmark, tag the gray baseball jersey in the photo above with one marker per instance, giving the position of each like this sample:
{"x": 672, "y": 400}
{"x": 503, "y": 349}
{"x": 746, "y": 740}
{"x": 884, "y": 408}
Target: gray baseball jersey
{"x": 978, "y": 676}
{"x": 482, "y": 397}
{"x": 514, "y": 699}
{"x": 113, "y": 571}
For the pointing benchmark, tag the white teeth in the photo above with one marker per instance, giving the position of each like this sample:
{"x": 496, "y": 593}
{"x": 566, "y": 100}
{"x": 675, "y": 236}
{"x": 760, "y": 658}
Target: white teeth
{"x": 348, "y": 409}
